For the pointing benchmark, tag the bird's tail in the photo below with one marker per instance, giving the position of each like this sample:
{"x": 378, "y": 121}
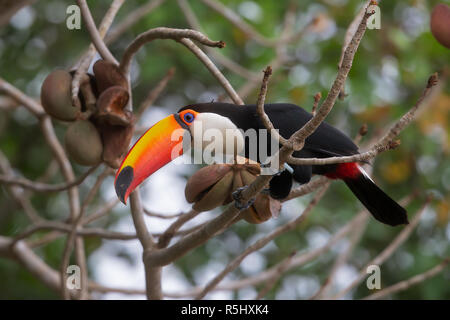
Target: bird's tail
{"x": 379, "y": 204}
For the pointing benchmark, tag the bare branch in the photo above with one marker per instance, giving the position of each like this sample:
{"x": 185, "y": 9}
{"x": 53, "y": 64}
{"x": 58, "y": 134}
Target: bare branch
{"x": 102, "y": 211}
{"x": 213, "y": 69}
{"x": 219, "y": 57}
{"x": 231, "y": 16}
{"x": 387, "y": 252}
{"x": 306, "y": 188}
{"x": 44, "y": 187}
{"x": 22, "y": 199}
{"x": 271, "y": 282}
{"x": 131, "y": 19}
{"x": 86, "y": 60}
{"x": 260, "y": 108}
{"x": 351, "y": 30}
{"x": 406, "y": 284}
{"x": 162, "y": 33}
{"x": 95, "y": 36}
{"x": 262, "y": 242}
{"x": 32, "y": 106}
{"x": 162, "y": 215}
{"x": 165, "y": 238}
{"x": 386, "y": 143}
{"x": 349, "y": 54}
{"x": 28, "y": 259}
{"x": 296, "y": 261}
{"x": 152, "y": 273}
{"x": 317, "y": 98}
{"x": 355, "y": 237}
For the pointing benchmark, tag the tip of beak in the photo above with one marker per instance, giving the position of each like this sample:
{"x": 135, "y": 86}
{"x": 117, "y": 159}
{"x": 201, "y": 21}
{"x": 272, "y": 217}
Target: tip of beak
{"x": 123, "y": 182}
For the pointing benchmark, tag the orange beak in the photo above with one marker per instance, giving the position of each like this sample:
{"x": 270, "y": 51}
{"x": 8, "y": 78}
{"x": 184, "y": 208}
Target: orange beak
{"x": 158, "y": 146}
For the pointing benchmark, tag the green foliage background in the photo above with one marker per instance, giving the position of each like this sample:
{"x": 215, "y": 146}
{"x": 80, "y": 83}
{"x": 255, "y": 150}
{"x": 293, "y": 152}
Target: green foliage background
{"x": 402, "y": 49}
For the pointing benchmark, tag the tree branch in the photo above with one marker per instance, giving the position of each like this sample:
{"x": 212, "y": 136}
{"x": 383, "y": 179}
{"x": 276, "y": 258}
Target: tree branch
{"x": 387, "y": 252}
{"x": 406, "y": 284}
{"x": 44, "y": 187}
{"x": 262, "y": 242}
{"x": 94, "y": 33}
{"x": 86, "y": 60}
{"x": 162, "y": 33}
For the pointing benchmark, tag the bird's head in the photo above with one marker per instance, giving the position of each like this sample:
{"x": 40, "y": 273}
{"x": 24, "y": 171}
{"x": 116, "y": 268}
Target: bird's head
{"x": 164, "y": 141}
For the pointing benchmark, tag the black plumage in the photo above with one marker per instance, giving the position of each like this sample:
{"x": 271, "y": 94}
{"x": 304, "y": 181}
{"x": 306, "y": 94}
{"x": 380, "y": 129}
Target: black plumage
{"x": 326, "y": 141}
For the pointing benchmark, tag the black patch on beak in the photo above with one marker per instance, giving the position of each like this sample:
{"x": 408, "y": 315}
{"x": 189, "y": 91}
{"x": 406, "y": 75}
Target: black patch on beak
{"x": 123, "y": 181}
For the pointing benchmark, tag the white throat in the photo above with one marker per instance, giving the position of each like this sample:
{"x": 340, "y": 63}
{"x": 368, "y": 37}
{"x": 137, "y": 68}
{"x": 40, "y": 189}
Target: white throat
{"x": 217, "y": 135}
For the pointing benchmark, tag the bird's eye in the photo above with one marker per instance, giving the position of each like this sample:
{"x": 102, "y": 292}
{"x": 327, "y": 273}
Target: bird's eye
{"x": 188, "y": 117}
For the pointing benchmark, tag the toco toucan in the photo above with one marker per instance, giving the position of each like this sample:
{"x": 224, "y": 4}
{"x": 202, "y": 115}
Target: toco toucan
{"x": 158, "y": 146}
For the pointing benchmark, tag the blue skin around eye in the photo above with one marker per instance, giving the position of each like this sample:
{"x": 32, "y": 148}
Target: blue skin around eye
{"x": 188, "y": 117}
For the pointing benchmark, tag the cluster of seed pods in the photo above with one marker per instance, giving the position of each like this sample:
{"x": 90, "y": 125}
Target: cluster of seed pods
{"x": 213, "y": 185}
{"x": 101, "y": 126}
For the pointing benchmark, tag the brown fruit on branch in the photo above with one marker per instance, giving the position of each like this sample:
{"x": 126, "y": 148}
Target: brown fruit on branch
{"x": 213, "y": 185}
{"x": 111, "y": 104}
{"x": 107, "y": 74}
{"x": 440, "y": 24}
{"x": 116, "y": 140}
{"x": 56, "y": 96}
{"x": 217, "y": 195}
{"x": 263, "y": 209}
{"x": 203, "y": 180}
{"x": 83, "y": 143}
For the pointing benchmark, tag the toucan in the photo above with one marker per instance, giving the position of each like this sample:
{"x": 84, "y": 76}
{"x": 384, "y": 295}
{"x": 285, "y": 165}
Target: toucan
{"x": 157, "y": 147}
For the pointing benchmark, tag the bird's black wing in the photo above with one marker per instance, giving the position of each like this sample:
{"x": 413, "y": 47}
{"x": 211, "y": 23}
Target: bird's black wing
{"x": 326, "y": 141}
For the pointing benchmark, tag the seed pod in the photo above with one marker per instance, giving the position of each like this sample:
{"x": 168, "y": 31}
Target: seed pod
{"x": 83, "y": 143}
{"x": 266, "y": 208}
{"x": 213, "y": 185}
{"x": 203, "y": 180}
{"x": 440, "y": 24}
{"x": 116, "y": 140}
{"x": 237, "y": 181}
{"x": 107, "y": 74}
{"x": 56, "y": 96}
{"x": 111, "y": 105}
{"x": 247, "y": 177}
{"x": 217, "y": 195}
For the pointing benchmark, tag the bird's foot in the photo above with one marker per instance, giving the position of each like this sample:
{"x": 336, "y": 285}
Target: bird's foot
{"x": 237, "y": 197}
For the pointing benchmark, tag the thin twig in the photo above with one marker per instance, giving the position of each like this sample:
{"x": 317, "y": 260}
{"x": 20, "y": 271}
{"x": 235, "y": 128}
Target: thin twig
{"x": 262, "y": 242}
{"x": 131, "y": 19}
{"x": 213, "y": 69}
{"x": 260, "y": 108}
{"x": 231, "y": 16}
{"x": 217, "y": 56}
{"x": 33, "y": 106}
{"x": 317, "y": 98}
{"x": 93, "y": 32}
{"x": 152, "y": 273}
{"x": 296, "y": 261}
{"x": 271, "y": 282}
{"x": 162, "y": 33}
{"x": 165, "y": 238}
{"x": 44, "y": 187}
{"x": 86, "y": 60}
{"x": 20, "y": 197}
{"x": 387, "y": 252}
{"x": 406, "y": 284}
